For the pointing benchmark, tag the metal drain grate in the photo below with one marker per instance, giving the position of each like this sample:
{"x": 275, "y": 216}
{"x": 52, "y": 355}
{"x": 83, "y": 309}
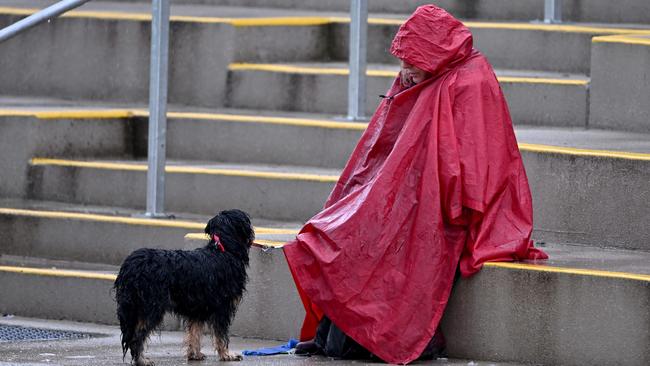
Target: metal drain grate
{"x": 12, "y": 333}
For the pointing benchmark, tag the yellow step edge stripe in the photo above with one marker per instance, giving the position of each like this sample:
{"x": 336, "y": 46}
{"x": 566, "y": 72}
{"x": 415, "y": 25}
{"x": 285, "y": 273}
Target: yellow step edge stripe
{"x": 576, "y": 271}
{"x": 126, "y": 220}
{"x": 68, "y": 113}
{"x": 113, "y": 15}
{"x": 583, "y": 152}
{"x": 280, "y": 21}
{"x": 102, "y": 218}
{"x": 58, "y": 273}
{"x": 305, "y": 69}
{"x": 553, "y": 81}
{"x": 268, "y": 243}
{"x": 202, "y": 236}
{"x": 129, "y": 113}
{"x": 622, "y": 39}
{"x": 565, "y": 28}
{"x": 308, "y": 70}
{"x": 16, "y": 113}
{"x": 534, "y": 26}
{"x": 188, "y": 170}
{"x": 275, "y": 231}
{"x": 343, "y": 125}
{"x": 305, "y": 122}
{"x": 502, "y": 265}
{"x": 237, "y": 22}
{"x": 316, "y": 20}
{"x": 89, "y": 114}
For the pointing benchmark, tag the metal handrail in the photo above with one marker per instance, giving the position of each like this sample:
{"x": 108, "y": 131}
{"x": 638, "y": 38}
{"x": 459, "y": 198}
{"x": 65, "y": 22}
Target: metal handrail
{"x": 44, "y": 15}
{"x": 552, "y": 11}
{"x": 358, "y": 55}
{"x": 157, "y": 89}
{"x": 158, "y": 75}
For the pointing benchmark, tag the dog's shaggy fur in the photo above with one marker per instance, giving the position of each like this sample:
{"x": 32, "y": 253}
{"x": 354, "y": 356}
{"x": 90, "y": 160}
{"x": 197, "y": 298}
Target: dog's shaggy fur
{"x": 201, "y": 286}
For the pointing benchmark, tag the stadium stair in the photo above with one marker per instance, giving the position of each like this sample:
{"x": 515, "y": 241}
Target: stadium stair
{"x": 255, "y": 122}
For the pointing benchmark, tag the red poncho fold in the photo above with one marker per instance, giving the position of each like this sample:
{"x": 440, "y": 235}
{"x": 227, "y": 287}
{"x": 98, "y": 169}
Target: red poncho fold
{"x": 436, "y": 182}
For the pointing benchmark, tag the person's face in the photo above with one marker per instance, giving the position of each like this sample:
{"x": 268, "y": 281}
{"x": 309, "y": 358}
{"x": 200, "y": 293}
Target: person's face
{"x": 411, "y": 75}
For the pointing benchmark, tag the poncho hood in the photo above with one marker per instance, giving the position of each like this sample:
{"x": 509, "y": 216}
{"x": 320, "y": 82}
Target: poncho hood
{"x": 432, "y": 40}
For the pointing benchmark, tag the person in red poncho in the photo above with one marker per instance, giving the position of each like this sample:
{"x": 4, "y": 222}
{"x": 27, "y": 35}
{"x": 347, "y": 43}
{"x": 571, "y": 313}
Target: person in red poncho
{"x": 436, "y": 184}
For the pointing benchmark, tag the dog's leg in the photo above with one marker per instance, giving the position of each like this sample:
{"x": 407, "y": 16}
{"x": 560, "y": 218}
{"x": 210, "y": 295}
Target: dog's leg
{"x": 221, "y": 346}
{"x": 193, "y": 340}
{"x": 137, "y": 345}
{"x": 220, "y": 325}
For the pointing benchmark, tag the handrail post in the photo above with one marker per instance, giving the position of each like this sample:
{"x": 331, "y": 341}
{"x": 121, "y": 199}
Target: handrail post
{"x": 39, "y": 17}
{"x": 158, "y": 108}
{"x": 358, "y": 55}
{"x": 552, "y": 11}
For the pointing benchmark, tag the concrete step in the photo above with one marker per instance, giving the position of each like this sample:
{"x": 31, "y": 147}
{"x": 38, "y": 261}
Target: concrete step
{"x": 633, "y": 11}
{"x": 114, "y": 38}
{"x": 105, "y": 235}
{"x": 272, "y": 192}
{"x": 508, "y": 45}
{"x": 571, "y": 310}
{"x": 54, "y": 128}
{"x": 620, "y": 94}
{"x": 40, "y": 288}
{"x": 30, "y": 131}
{"x": 570, "y": 204}
{"x": 535, "y": 98}
{"x": 589, "y": 186}
{"x": 105, "y": 56}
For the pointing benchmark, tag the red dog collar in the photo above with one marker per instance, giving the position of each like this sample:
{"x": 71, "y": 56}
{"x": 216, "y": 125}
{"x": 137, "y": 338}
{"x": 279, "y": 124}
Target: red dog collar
{"x": 217, "y": 241}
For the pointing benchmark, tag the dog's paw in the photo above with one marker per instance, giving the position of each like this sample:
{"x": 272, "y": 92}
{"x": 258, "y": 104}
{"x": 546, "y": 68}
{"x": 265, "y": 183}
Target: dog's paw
{"x": 144, "y": 362}
{"x": 199, "y": 356}
{"x": 229, "y": 357}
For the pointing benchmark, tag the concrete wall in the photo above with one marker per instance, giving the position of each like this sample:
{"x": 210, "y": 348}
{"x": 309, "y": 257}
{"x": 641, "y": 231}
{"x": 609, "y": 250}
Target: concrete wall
{"x": 549, "y": 318}
{"x": 22, "y": 138}
{"x": 69, "y": 298}
{"x": 499, "y": 314}
{"x": 270, "y": 308}
{"x": 505, "y": 48}
{"x": 620, "y": 85}
{"x": 632, "y": 11}
{"x": 590, "y": 200}
{"x": 197, "y": 193}
{"x": 90, "y": 242}
{"x": 108, "y": 60}
{"x": 524, "y": 49}
{"x": 530, "y": 103}
{"x": 260, "y": 142}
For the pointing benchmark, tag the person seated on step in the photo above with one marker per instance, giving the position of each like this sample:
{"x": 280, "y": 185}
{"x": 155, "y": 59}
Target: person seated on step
{"x": 435, "y": 185}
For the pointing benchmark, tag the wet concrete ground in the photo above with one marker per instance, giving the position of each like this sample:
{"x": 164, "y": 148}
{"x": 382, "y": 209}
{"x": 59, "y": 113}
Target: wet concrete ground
{"x": 165, "y": 349}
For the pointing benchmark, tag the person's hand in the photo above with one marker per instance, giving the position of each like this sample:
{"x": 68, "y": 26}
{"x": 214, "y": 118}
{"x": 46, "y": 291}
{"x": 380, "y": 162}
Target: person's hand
{"x": 405, "y": 79}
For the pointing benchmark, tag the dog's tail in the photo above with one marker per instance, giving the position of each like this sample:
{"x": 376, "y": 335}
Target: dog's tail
{"x": 128, "y": 321}
{"x": 127, "y": 307}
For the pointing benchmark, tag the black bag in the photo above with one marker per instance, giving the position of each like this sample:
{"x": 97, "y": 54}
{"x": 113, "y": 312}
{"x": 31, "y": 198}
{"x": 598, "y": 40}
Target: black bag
{"x": 334, "y": 343}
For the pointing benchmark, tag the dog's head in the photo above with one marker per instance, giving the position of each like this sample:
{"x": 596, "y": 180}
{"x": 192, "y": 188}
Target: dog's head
{"x": 234, "y": 230}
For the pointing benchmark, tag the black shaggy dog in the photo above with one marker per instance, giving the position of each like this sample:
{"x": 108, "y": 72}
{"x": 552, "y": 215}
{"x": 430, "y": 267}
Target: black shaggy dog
{"x": 201, "y": 286}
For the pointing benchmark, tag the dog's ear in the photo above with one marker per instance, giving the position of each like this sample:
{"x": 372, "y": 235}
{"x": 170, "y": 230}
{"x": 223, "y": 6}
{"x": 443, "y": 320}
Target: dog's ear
{"x": 243, "y": 226}
{"x": 232, "y": 225}
{"x": 210, "y": 227}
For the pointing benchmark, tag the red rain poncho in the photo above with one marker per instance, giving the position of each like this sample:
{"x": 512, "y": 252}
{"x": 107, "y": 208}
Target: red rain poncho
{"x": 436, "y": 182}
